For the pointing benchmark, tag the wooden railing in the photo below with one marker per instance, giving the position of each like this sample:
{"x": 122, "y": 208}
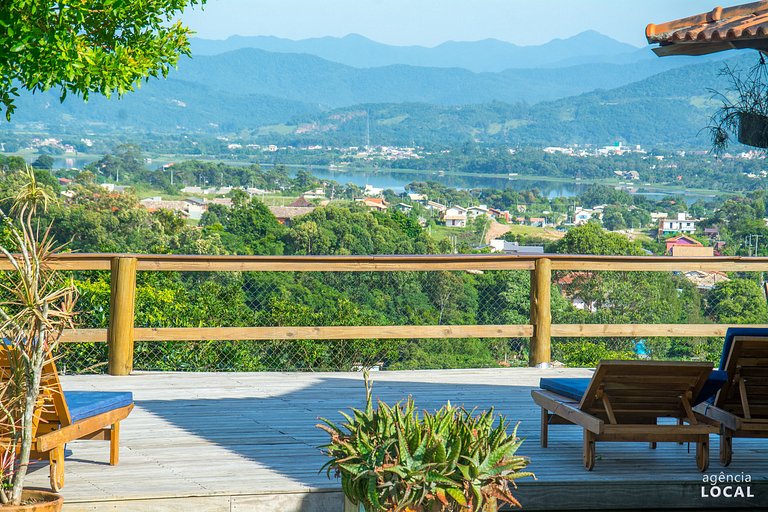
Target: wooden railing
{"x": 122, "y": 334}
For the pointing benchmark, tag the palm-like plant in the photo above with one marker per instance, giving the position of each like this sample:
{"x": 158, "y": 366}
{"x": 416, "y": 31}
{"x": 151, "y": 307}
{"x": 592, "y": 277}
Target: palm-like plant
{"x": 390, "y": 458}
{"x": 37, "y": 305}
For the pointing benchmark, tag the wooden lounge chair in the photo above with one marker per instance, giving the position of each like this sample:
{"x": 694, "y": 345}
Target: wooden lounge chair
{"x": 62, "y": 417}
{"x": 740, "y": 409}
{"x": 624, "y": 400}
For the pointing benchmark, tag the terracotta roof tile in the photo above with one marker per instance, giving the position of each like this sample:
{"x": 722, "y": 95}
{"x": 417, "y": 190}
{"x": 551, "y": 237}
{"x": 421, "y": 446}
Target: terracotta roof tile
{"x": 741, "y": 26}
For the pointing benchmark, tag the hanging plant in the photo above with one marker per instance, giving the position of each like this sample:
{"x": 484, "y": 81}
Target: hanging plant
{"x": 744, "y": 112}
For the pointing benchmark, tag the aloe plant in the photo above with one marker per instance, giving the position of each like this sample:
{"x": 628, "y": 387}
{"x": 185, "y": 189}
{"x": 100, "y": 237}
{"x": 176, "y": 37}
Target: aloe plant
{"x": 391, "y": 458}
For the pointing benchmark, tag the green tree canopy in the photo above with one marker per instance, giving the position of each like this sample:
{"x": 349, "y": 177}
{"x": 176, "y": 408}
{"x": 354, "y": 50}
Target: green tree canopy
{"x": 83, "y": 47}
{"x": 739, "y": 301}
{"x": 593, "y": 239}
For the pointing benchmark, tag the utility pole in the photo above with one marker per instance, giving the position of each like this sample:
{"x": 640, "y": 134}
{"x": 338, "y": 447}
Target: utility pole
{"x": 752, "y": 241}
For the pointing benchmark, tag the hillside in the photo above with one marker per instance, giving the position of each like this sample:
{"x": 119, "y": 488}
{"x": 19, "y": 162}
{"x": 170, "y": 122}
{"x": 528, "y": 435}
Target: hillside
{"x": 668, "y": 109}
{"x": 170, "y": 106}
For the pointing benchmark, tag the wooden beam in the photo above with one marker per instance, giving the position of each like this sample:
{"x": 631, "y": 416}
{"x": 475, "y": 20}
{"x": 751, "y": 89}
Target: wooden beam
{"x": 84, "y": 336}
{"x": 340, "y": 266}
{"x": 541, "y": 317}
{"x": 647, "y": 330}
{"x": 404, "y": 332}
{"x": 197, "y": 263}
{"x": 78, "y": 429}
{"x": 121, "y": 315}
{"x": 651, "y": 264}
{"x": 567, "y": 409}
{"x": 334, "y": 333}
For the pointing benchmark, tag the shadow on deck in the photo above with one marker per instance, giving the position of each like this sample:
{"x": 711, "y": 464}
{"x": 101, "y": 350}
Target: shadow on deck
{"x": 226, "y": 442}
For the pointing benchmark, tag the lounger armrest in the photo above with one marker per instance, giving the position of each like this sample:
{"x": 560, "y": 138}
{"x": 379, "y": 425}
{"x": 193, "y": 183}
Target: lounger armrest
{"x": 567, "y": 409}
{"x": 81, "y": 428}
{"x": 714, "y": 415}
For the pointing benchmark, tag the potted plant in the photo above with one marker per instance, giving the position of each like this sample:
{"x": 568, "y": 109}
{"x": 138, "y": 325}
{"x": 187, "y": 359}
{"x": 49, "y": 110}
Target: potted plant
{"x": 36, "y": 305}
{"x": 744, "y": 110}
{"x": 391, "y": 458}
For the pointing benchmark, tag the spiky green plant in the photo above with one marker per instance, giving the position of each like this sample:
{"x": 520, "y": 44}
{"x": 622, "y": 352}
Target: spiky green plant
{"x": 391, "y": 458}
{"x": 36, "y": 305}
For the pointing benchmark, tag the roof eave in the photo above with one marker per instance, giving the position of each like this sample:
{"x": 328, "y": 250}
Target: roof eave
{"x": 697, "y": 48}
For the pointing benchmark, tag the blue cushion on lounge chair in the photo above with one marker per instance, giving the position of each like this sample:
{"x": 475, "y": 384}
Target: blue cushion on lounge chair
{"x": 738, "y": 331}
{"x": 716, "y": 380}
{"x": 571, "y": 388}
{"x": 575, "y": 388}
{"x": 85, "y": 404}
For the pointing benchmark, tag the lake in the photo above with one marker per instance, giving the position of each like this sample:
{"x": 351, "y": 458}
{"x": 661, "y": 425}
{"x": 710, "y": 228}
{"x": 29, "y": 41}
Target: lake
{"x": 397, "y": 181}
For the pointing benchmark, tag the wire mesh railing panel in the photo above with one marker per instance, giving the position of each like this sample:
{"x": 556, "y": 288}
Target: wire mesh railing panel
{"x": 406, "y": 298}
{"x": 652, "y": 298}
{"x": 92, "y": 313}
{"x": 313, "y": 299}
{"x": 588, "y": 352}
{"x": 330, "y": 355}
{"x": 691, "y": 297}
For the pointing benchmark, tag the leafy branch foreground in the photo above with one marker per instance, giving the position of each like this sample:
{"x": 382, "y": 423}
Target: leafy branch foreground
{"x": 392, "y": 459}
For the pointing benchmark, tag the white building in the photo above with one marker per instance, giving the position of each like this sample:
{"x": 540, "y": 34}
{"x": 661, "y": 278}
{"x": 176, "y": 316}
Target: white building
{"x": 436, "y": 207}
{"x": 318, "y": 193}
{"x": 372, "y": 191}
{"x": 680, "y": 225}
{"x": 478, "y": 211}
{"x": 583, "y": 215}
{"x": 514, "y": 248}
{"x": 456, "y": 217}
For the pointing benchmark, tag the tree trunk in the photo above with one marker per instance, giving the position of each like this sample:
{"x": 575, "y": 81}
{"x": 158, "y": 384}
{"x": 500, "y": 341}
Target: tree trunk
{"x": 27, "y": 422}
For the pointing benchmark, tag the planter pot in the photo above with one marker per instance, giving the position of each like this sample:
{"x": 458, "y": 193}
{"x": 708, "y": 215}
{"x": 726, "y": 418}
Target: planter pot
{"x": 753, "y": 130}
{"x": 37, "y": 501}
{"x": 349, "y": 507}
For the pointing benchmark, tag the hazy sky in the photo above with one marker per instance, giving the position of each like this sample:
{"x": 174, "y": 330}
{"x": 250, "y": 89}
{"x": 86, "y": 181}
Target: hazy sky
{"x": 430, "y": 22}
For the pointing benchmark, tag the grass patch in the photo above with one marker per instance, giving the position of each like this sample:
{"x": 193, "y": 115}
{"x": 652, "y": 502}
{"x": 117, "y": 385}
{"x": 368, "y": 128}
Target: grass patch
{"x": 534, "y": 232}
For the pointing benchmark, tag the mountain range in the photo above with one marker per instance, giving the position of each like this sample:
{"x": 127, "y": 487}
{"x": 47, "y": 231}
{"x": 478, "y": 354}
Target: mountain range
{"x": 621, "y": 95}
{"x": 489, "y": 55}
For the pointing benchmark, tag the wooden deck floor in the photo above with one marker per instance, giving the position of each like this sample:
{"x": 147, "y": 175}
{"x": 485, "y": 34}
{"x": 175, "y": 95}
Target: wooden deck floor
{"x": 237, "y": 442}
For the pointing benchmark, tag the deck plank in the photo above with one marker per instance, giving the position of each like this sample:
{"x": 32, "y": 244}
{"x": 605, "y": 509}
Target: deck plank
{"x": 215, "y": 442}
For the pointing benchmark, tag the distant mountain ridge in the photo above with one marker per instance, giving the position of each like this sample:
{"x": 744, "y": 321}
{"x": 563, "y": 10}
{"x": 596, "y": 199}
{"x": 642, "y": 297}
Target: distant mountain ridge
{"x": 310, "y": 79}
{"x": 298, "y": 98}
{"x": 489, "y": 55}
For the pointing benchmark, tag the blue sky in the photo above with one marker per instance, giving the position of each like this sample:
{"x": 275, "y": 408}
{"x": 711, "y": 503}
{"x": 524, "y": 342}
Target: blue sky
{"x": 430, "y": 22}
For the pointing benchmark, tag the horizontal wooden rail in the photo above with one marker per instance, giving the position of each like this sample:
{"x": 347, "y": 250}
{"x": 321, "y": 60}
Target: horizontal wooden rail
{"x": 642, "y": 330}
{"x": 406, "y": 332}
{"x": 309, "y": 333}
{"x": 194, "y": 263}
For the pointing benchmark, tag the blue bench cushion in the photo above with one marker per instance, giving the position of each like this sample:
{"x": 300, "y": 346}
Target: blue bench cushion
{"x": 571, "y": 388}
{"x": 575, "y": 388}
{"x": 716, "y": 380}
{"x": 86, "y": 404}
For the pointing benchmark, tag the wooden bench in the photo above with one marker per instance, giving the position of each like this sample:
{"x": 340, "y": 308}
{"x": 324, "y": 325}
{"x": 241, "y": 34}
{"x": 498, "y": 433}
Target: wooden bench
{"x": 740, "y": 408}
{"x": 623, "y": 402}
{"x": 61, "y": 417}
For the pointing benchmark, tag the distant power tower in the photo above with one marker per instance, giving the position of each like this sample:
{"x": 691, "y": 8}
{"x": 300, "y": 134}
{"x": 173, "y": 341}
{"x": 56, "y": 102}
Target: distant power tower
{"x": 367, "y": 129}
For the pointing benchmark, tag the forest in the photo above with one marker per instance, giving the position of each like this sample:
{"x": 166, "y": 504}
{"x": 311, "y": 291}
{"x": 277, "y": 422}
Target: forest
{"x": 90, "y": 220}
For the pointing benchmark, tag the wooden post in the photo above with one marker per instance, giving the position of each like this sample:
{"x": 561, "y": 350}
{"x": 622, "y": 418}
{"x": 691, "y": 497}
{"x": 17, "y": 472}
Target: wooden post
{"x": 541, "y": 313}
{"x": 121, "y": 315}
